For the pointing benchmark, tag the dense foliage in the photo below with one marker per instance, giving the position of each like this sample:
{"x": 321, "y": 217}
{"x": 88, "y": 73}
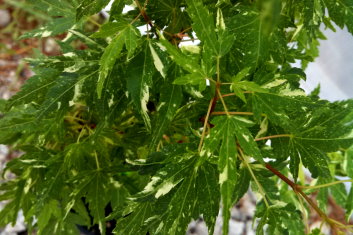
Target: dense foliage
{"x": 141, "y": 130}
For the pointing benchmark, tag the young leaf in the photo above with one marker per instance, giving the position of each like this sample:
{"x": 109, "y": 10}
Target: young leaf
{"x": 239, "y": 86}
{"x": 197, "y": 75}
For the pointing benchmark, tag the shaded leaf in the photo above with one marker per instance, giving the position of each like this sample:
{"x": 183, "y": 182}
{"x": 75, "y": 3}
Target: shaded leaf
{"x": 139, "y": 82}
{"x": 170, "y": 100}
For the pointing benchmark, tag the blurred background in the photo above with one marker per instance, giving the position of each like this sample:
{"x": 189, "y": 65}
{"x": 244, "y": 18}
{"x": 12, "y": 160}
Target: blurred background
{"x": 332, "y": 70}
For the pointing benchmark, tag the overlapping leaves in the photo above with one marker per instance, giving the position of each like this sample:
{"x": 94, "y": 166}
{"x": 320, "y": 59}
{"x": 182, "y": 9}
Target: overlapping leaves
{"x": 172, "y": 197}
{"x": 124, "y": 116}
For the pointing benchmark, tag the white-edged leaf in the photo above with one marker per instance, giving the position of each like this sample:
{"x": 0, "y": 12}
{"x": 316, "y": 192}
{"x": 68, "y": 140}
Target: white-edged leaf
{"x": 139, "y": 81}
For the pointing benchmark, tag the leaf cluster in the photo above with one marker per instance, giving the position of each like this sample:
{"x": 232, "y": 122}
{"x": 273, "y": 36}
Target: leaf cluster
{"x": 146, "y": 132}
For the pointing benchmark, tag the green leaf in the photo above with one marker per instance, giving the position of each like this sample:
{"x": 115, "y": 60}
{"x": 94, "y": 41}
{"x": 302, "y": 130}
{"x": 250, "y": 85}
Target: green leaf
{"x": 134, "y": 220}
{"x": 250, "y": 38}
{"x": 59, "y": 96}
{"x": 54, "y": 7}
{"x": 139, "y": 81}
{"x": 34, "y": 90}
{"x": 322, "y": 131}
{"x": 87, "y": 40}
{"x": 225, "y": 38}
{"x": 313, "y": 13}
{"x": 278, "y": 106}
{"x": 242, "y": 74}
{"x": 290, "y": 222}
{"x": 157, "y": 60}
{"x": 203, "y": 24}
{"x": 225, "y": 130}
{"x": 322, "y": 196}
{"x": 116, "y": 8}
{"x": 108, "y": 29}
{"x": 9, "y": 213}
{"x": 53, "y": 28}
{"x": 176, "y": 187}
{"x": 97, "y": 199}
{"x": 245, "y": 138}
{"x": 239, "y": 87}
{"x": 129, "y": 37}
{"x": 97, "y": 190}
{"x": 90, "y": 7}
{"x": 349, "y": 162}
{"x": 16, "y": 121}
{"x": 115, "y": 122}
{"x": 227, "y": 169}
{"x": 168, "y": 14}
{"x": 193, "y": 79}
{"x": 51, "y": 209}
{"x": 349, "y": 204}
{"x": 341, "y": 12}
{"x": 242, "y": 185}
{"x": 197, "y": 76}
{"x": 170, "y": 100}
{"x": 312, "y": 152}
{"x": 339, "y": 193}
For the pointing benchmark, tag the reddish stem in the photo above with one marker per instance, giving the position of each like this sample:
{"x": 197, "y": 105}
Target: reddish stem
{"x": 298, "y": 190}
{"x": 273, "y": 137}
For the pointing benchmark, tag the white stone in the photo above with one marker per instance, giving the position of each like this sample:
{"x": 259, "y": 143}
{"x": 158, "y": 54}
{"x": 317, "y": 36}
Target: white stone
{"x": 5, "y": 18}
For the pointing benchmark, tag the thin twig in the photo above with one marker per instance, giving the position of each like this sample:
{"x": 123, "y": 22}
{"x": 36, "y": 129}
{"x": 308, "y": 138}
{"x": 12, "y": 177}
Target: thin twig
{"x": 298, "y": 190}
{"x": 233, "y": 94}
{"x": 261, "y": 190}
{"x": 187, "y": 29}
{"x": 223, "y": 103}
{"x": 324, "y": 185}
{"x": 233, "y": 113}
{"x": 273, "y": 137}
{"x": 97, "y": 162}
{"x": 212, "y": 104}
{"x": 136, "y": 18}
{"x": 94, "y": 22}
{"x": 143, "y": 13}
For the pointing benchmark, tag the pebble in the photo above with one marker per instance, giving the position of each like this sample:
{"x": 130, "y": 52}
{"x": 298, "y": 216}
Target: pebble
{"x": 241, "y": 221}
{"x": 5, "y": 18}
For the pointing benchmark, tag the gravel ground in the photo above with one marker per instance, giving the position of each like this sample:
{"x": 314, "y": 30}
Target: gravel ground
{"x": 241, "y": 222}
